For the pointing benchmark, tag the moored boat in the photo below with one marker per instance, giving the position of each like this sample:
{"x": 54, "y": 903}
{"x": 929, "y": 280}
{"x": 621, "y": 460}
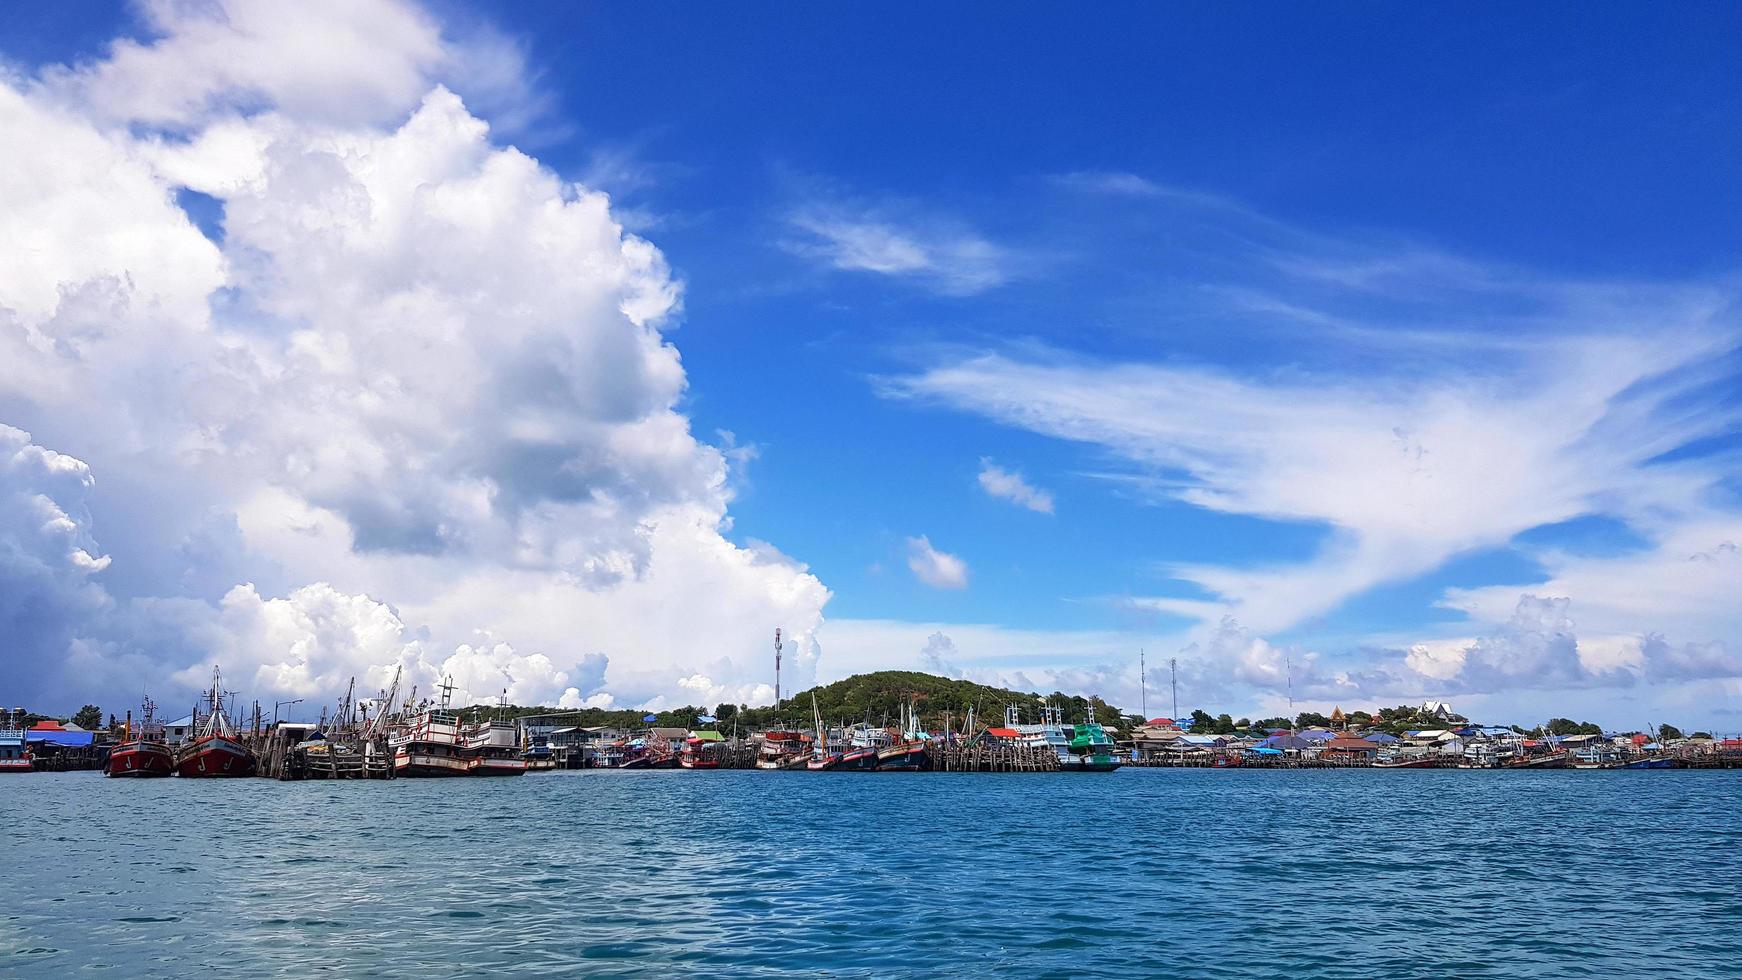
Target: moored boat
{"x": 1090, "y": 749}
{"x": 492, "y": 748}
{"x": 1080, "y": 748}
{"x": 911, "y": 752}
{"x": 429, "y": 745}
{"x": 700, "y": 753}
{"x": 14, "y": 754}
{"x": 142, "y": 752}
{"x": 779, "y": 748}
{"x": 1414, "y": 761}
{"x": 216, "y": 750}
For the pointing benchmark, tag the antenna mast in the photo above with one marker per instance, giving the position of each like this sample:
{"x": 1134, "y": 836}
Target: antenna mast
{"x": 777, "y": 646}
{"x": 1173, "y": 681}
{"x": 1288, "y": 664}
{"x": 1143, "y": 684}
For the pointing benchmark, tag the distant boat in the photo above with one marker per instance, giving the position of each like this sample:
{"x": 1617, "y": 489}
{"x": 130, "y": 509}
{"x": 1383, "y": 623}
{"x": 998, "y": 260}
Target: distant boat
{"x": 216, "y": 749}
{"x": 14, "y": 754}
{"x": 1407, "y": 762}
{"x": 143, "y": 753}
{"x": 1653, "y": 763}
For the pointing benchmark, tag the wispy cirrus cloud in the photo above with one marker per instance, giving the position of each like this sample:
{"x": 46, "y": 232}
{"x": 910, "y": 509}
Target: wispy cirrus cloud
{"x": 940, "y": 255}
{"x": 1012, "y": 486}
{"x": 1419, "y": 406}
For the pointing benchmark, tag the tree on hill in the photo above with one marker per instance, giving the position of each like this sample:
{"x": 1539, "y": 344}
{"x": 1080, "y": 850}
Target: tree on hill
{"x": 1667, "y": 732}
{"x": 875, "y": 698}
{"x": 90, "y": 718}
{"x": 1312, "y": 719}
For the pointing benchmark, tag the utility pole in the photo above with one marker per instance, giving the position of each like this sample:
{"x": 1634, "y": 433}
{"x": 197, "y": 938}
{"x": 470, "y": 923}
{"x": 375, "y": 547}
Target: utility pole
{"x": 1173, "y": 679}
{"x": 777, "y": 669}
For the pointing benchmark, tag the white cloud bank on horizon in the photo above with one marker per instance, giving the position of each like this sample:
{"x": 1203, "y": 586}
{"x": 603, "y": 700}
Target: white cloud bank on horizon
{"x": 409, "y": 406}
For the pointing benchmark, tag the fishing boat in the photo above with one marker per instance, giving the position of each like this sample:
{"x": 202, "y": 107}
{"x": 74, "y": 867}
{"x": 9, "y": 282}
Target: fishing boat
{"x": 699, "y": 753}
{"x": 428, "y": 744}
{"x": 828, "y": 753}
{"x": 1087, "y": 750}
{"x": 492, "y": 748}
{"x": 14, "y": 754}
{"x": 779, "y": 748}
{"x": 1090, "y": 749}
{"x": 142, "y": 752}
{"x": 216, "y": 750}
{"x": 1655, "y": 762}
{"x": 910, "y": 752}
{"x": 859, "y": 748}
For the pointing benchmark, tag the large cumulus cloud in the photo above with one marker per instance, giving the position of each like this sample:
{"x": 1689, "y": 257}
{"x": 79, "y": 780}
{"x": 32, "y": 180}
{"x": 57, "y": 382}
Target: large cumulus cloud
{"x": 405, "y": 402}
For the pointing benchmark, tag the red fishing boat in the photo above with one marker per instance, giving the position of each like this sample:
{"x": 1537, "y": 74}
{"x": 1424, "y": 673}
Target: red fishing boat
{"x": 216, "y": 748}
{"x": 142, "y": 752}
{"x": 697, "y": 755}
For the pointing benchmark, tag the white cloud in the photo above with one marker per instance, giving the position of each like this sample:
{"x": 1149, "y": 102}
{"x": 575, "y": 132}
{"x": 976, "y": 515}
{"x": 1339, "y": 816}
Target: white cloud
{"x": 938, "y": 569}
{"x": 1010, "y": 485}
{"x": 413, "y": 406}
{"x": 1114, "y": 182}
{"x": 938, "y": 655}
{"x": 941, "y": 256}
{"x": 1405, "y": 472}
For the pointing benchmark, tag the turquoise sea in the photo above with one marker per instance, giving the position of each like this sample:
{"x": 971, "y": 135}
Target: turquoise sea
{"x": 1140, "y": 873}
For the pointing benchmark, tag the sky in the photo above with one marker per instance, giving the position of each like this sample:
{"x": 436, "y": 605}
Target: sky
{"x": 1344, "y": 356}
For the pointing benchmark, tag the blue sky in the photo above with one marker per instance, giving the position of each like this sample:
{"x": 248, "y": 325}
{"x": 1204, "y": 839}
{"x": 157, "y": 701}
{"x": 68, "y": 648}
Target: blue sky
{"x": 1351, "y": 336}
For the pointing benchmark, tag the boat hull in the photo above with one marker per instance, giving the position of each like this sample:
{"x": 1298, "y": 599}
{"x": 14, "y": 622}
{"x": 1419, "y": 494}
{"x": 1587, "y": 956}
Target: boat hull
{"x": 497, "y": 767}
{"x": 25, "y": 764}
{"x": 428, "y": 765}
{"x": 213, "y": 757}
{"x": 140, "y": 759}
{"x": 906, "y": 758}
{"x": 1089, "y": 763}
{"x": 860, "y": 760}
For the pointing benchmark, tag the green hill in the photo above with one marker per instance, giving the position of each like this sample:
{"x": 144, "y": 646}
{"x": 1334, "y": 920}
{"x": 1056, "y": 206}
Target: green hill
{"x": 875, "y": 698}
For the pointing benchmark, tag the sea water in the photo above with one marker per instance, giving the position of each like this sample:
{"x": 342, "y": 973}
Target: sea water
{"x": 1138, "y": 873}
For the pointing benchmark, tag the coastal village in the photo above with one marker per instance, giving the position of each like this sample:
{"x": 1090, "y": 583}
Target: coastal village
{"x": 393, "y": 736}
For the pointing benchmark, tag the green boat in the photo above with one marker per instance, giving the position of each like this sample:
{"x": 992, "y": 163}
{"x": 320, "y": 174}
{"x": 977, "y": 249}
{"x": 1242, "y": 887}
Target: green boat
{"x": 1090, "y": 749}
